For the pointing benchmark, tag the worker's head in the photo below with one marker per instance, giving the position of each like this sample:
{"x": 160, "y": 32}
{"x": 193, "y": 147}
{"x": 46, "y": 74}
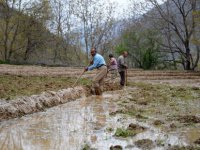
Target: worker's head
{"x": 110, "y": 55}
{"x": 93, "y": 51}
{"x": 125, "y": 53}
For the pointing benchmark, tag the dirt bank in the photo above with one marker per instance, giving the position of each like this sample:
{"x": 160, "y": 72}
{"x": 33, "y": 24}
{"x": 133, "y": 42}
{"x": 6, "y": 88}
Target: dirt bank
{"x": 35, "y": 103}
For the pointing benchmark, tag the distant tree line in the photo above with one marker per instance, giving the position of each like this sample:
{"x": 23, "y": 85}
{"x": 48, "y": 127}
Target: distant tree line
{"x": 167, "y": 36}
{"x": 61, "y": 32}
{"x": 57, "y": 32}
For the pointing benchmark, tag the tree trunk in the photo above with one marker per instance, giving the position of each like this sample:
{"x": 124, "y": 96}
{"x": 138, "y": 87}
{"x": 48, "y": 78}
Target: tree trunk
{"x": 6, "y": 42}
{"x": 197, "y": 59}
{"x": 28, "y": 49}
{"x": 188, "y": 60}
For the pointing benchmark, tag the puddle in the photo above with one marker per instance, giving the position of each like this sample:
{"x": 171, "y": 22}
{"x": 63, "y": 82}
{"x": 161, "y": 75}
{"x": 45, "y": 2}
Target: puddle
{"x": 74, "y": 124}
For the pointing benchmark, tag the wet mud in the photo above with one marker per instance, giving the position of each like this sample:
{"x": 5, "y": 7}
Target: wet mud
{"x": 144, "y": 144}
{"x": 27, "y": 105}
{"x": 188, "y": 119}
{"x": 157, "y": 111}
{"x": 88, "y": 123}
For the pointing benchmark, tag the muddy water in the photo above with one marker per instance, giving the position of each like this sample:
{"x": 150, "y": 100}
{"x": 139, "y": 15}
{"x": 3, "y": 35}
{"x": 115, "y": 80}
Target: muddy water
{"x": 72, "y": 125}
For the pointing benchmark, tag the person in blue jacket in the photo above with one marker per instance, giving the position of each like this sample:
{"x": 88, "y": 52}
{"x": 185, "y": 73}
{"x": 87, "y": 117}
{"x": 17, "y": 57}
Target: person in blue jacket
{"x": 98, "y": 63}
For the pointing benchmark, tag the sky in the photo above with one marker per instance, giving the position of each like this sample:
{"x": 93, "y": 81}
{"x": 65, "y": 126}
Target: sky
{"x": 124, "y": 5}
{"x": 121, "y": 6}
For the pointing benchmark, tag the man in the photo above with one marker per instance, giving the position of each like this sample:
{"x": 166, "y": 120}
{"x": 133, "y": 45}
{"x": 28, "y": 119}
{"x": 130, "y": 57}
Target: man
{"x": 122, "y": 66}
{"x": 100, "y": 64}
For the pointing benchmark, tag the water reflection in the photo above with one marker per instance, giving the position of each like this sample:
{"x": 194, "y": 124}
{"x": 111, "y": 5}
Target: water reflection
{"x": 69, "y": 125}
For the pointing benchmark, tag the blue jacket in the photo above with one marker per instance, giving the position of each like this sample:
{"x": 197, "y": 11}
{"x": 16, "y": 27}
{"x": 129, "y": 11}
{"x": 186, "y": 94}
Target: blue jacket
{"x": 98, "y": 61}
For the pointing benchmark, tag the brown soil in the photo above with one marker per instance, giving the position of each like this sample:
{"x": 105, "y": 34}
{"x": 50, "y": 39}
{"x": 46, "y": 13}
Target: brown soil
{"x": 158, "y": 122}
{"x": 27, "y": 105}
{"x": 197, "y": 141}
{"x": 136, "y": 128}
{"x": 188, "y": 119}
{"x": 11, "y": 109}
{"x": 117, "y": 147}
{"x": 143, "y": 102}
{"x": 183, "y": 148}
{"x": 173, "y": 125}
{"x": 144, "y": 144}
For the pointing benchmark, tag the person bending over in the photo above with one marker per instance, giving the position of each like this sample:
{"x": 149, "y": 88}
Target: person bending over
{"x": 99, "y": 64}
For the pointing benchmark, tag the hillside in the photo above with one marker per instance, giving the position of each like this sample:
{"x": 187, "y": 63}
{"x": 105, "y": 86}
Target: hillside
{"x": 26, "y": 40}
{"x": 168, "y": 31}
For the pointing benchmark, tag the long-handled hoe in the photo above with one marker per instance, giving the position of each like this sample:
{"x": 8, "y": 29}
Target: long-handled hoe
{"x": 78, "y": 79}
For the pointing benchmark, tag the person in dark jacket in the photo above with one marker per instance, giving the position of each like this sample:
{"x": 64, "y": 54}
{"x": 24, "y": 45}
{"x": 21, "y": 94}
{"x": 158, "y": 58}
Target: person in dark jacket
{"x": 122, "y": 66}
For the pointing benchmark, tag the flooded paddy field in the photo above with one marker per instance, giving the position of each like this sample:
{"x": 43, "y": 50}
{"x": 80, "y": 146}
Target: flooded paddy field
{"x": 158, "y": 110}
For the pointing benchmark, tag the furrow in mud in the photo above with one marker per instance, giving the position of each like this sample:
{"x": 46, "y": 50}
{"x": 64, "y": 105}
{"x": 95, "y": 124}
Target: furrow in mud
{"x": 35, "y": 103}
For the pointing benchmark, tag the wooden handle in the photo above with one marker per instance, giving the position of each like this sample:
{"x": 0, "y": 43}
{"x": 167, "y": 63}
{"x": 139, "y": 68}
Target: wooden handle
{"x": 78, "y": 79}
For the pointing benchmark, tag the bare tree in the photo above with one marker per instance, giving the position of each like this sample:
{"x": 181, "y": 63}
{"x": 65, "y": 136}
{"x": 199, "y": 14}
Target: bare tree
{"x": 9, "y": 26}
{"x": 96, "y": 20}
{"x": 175, "y": 20}
{"x": 19, "y": 23}
{"x": 58, "y": 12}
{"x": 35, "y": 20}
{"x": 63, "y": 26}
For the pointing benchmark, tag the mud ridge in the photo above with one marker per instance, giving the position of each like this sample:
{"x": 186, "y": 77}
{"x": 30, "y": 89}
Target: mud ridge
{"x": 27, "y": 105}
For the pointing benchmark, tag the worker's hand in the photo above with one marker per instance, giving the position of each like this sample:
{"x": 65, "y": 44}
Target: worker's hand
{"x": 91, "y": 62}
{"x": 86, "y": 69}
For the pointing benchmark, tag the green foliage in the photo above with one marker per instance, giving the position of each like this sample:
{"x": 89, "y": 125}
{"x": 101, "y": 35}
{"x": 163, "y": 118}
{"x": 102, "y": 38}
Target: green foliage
{"x": 149, "y": 59}
{"x": 86, "y": 147}
{"x": 121, "y": 48}
{"x": 109, "y": 129}
{"x": 142, "y": 47}
{"x": 4, "y": 62}
{"x": 30, "y": 41}
{"x": 124, "y": 133}
{"x": 196, "y": 39}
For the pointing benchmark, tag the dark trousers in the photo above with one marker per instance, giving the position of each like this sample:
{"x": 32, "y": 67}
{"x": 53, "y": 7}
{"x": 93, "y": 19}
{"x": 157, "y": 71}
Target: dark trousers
{"x": 122, "y": 76}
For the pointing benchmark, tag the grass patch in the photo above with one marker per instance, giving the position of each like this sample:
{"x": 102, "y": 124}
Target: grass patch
{"x": 160, "y": 92}
{"x": 109, "y": 129}
{"x": 120, "y": 132}
{"x": 158, "y": 99}
{"x": 12, "y": 85}
{"x": 86, "y": 147}
{"x": 130, "y": 112}
{"x": 4, "y": 62}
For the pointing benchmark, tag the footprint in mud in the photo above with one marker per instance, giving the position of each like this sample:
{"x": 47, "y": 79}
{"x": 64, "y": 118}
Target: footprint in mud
{"x": 136, "y": 128}
{"x": 173, "y": 126}
{"x": 116, "y": 147}
{"x": 188, "y": 119}
{"x": 143, "y": 102}
{"x": 197, "y": 142}
{"x": 183, "y": 148}
{"x": 158, "y": 122}
{"x": 145, "y": 144}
